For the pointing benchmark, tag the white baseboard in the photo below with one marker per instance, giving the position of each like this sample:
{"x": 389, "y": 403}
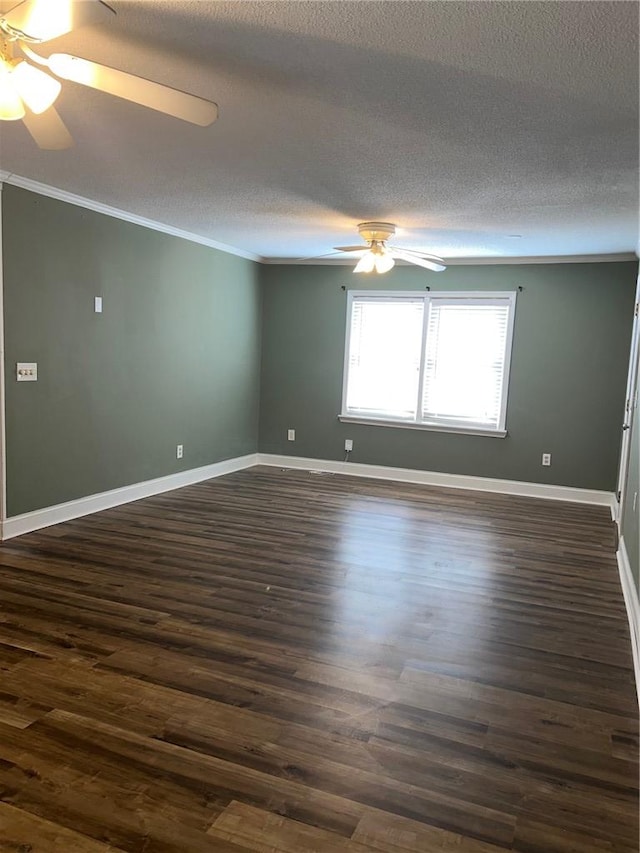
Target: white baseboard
{"x": 615, "y": 512}
{"x": 630, "y": 592}
{"x": 435, "y": 478}
{"x": 29, "y": 521}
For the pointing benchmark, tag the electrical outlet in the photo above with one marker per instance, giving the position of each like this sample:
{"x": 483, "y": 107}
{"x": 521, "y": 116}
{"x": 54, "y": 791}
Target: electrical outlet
{"x": 546, "y": 459}
{"x": 179, "y": 451}
{"x": 348, "y": 444}
{"x": 291, "y": 435}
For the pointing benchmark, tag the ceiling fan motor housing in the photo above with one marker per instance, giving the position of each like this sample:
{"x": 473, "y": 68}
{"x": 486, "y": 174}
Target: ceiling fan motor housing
{"x": 376, "y": 231}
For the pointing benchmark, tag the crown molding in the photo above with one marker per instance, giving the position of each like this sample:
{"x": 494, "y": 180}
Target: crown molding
{"x": 483, "y": 261}
{"x": 116, "y": 213}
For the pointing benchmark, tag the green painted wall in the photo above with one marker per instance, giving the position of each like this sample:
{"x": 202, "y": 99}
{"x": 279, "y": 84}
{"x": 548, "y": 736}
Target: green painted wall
{"x": 568, "y": 372}
{"x": 173, "y": 358}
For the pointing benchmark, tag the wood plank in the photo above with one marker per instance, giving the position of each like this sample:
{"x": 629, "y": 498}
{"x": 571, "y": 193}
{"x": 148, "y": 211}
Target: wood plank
{"x": 533, "y": 837}
{"x": 21, "y": 832}
{"x": 266, "y": 832}
{"x": 19, "y": 712}
{"x": 394, "y": 834}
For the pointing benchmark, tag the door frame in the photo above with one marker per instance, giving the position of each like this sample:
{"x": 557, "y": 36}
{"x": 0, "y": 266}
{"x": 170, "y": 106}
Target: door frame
{"x": 630, "y": 406}
{"x": 3, "y": 442}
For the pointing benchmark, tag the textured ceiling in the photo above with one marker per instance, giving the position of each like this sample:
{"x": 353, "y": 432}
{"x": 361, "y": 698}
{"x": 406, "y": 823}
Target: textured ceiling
{"x": 464, "y": 123}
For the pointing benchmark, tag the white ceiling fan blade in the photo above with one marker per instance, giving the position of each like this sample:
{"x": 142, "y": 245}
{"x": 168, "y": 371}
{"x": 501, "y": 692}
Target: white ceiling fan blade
{"x": 41, "y": 20}
{"x": 48, "y": 130}
{"x": 147, "y": 93}
{"x": 351, "y": 248}
{"x": 420, "y": 262}
{"x": 418, "y": 254}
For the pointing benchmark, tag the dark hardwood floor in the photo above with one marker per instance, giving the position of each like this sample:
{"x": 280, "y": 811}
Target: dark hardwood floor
{"x": 281, "y": 661}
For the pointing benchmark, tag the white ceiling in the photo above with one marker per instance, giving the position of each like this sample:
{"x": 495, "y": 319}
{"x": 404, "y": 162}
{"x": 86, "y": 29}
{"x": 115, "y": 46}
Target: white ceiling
{"x": 463, "y": 122}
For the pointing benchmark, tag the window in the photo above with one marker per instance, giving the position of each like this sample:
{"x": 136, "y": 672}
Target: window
{"x": 429, "y": 361}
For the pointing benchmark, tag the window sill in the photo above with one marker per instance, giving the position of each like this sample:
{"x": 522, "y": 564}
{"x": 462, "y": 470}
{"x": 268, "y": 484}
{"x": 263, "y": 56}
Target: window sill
{"x": 461, "y": 430}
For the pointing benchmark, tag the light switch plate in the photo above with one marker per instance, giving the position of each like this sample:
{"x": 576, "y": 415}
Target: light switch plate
{"x": 97, "y": 304}
{"x": 27, "y": 371}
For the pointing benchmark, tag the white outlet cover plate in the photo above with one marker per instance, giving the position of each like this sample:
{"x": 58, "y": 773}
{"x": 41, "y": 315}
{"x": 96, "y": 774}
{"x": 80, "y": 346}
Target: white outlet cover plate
{"x": 97, "y": 304}
{"x": 27, "y": 371}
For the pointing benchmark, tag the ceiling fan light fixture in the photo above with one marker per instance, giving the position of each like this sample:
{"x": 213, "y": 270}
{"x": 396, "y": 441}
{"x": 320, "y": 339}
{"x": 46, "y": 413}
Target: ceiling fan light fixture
{"x": 31, "y": 93}
{"x": 377, "y": 259}
{"x": 384, "y": 262}
{"x": 40, "y": 20}
{"x": 381, "y": 257}
{"x": 366, "y": 263}
{"x": 11, "y": 106}
{"x": 37, "y": 89}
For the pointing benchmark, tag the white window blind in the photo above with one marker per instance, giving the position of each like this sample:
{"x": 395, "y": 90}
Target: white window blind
{"x": 429, "y": 360}
{"x": 465, "y": 361}
{"x": 384, "y": 357}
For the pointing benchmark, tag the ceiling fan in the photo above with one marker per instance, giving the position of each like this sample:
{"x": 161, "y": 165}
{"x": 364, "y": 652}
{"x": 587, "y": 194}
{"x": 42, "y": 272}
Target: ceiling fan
{"x": 380, "y": 257}
{"x": 28, "y": 92}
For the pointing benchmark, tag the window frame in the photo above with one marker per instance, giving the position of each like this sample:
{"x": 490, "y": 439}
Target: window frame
{"x": 508, "y": 296}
